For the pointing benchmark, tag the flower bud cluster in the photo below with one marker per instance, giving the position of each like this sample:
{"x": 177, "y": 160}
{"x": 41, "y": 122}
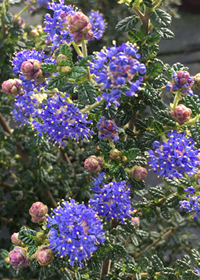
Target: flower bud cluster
{"x": 32, "y": 70}
{"x": 12, "y": 86}
{"x": 181, "y": 114}
{"x": 36, "y": 32}
{"x": 38, "y": 212}
{"x": 117, "y": 155}
{"x": 107, "y": 130}
{"x": 196, "y": 85}
{"x": 44, "y": 255}
{"x": 93, "y": 164}
{"x": 80, "y": 27}
{"x": 18, "y": 258}
{"x": 138, "y": 173}
{"x": 182, "y": 82}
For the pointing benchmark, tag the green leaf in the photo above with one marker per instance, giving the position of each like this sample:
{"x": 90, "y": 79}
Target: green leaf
{"x": 142, "y": 233}
{"x": 160, "y": 18}
{"x": 168, "y": 271}
{"x": 129, "y": 143}
{"x": 144, "y": 52}
{"x": 133, "y": 36}
{"x": 154, "y": 191}
{"x": 158, "y": 127}
{"x": 189, "y": 275}
{"x": 86, "y": 93}
{"x": 7, "y": 18}
{"x": 109, "y": 112}
{"x": 134, "y": 240}
{"x": 157, "y": 263}
{"x": 5, "y": 109}
{"x": 197, "y": 122}
{"x": 172, "y": 201}
{"x": 129, "y": 132}
{"x": 127, "y": 24}
{"x": 135, "y": 185}
{"x": 114, "y": 168}
{"x": 152, "y": 38}
{"x": 165, "y": 212}
{"x": 148, "y": 3}
{"x": 147, "y": 139}
{"x": 68, "y": 87}
{"x": 140, "y": 125}
{"x": 149, "y": 91}
{"x": 105, "y": 147}
{"x": 131, "y": 153}
{"x": 31, "y": 250}
{"x": 125, "y": 115}
{"x": 65, "y": 275}
{"x": 49, "y": 67}
{"x": 154, "y": 68}
{"x": 165, "y": 34}
{"x": 178, "y": 66}
{"x": 158, "y": 105}
{"x": 27, "y": 235}
{"x": 193, "y": 103}
{"x": 182, "y": 265}
{"x": 165, "y": 118}
{"x": 57, "y": 82}
{"x": 121, "y": 175}
{"x": 77, "y": 72}
{"x": 65, "y": 49}
{"x": 84, "y": 61}
{"x": 10, "y": 148}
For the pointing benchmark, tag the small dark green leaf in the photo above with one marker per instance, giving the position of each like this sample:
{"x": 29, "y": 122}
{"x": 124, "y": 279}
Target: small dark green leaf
{"x": 105, "y": 147}
{"x": 182, "y": 265}
{"x": 68, "y": 87}
{"x": 135, "y": 185}
{"x": 86, "y": 93}
{"x": 114, "y": 168}
{"x": 49, "y": 67}
{"x": 158, "y": 127}
{"x": 121, "y": 175}
{"x": 134, "y": 240}
{"x": 57, "y": 82}
{"x": 148, "y": 3}
{"x": 77, "y": 72}
{"x": 165, "y": 212}
{"x": 65, "y": 49}
{"x": 166, "y": 34}
{"x": 155, "y": 68}
{"x": 152, "y": 38}
{"x": 127, "y": 24}
{"x": 156, "y": 192}
{"x": 160, "y": 18}
{"x": 189, "y": 275}
{"x": 142, "y": 233}
{"x": 131, "y": 153}
{"x": 140, "y": 125}
{"x": 144, "y": 52}
{"x": 7, "y": 18}
{"x": 157, "y": 263}
{"x": 172, "y": 201}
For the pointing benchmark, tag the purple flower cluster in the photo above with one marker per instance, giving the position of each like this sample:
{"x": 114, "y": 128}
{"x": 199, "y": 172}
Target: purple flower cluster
{"x": 55, "y": 26}
{"x": 98, "y": 24}
{"x": 27, "y": 106}
{"x": 116, "y": 66}
{"x": 27, "y": 63}
{"x": 61, "y": 121}
{"x": 42, "y": 3}
{"x": 98, "y": 182}
{"x": 191, "y": 205}
{"x": 75, "y": 230}
{"x": 107, "y": 130}
{"x": 182, "y": 82}
{"x": 112, "y": 201}
{"x": 175, "y": 156}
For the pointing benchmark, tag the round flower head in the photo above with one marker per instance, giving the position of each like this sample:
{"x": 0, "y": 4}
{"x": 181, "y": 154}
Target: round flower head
{"x": 98, "y": 24}
{"x": 175, "y": 156}
{"x": 61, "y": 121}
{"x": 18, "y": 258}
{"x": 116, "y": 66}
{"x": 107, "y": 130}
{"x": 113, "y": 201}
{"x": 55, "y": 26}
{"x": 75, "y": 230}
{"x": 182, "y": 82}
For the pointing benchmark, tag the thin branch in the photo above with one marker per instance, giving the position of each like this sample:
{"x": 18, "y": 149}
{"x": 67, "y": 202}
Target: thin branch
{"x": 156, "y": 241}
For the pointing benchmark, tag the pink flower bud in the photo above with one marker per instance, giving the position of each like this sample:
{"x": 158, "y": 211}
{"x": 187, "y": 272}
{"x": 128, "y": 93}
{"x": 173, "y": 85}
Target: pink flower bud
{"x": 136, "y": 221}
{"x": 38, "y": 77}
{"x": 89, "y": 35}
{"x": 44, "y": 255}
{"x": 181, "y": 114}
{"x": 79, "y": 23}
{"x": 78, "y": 36}
{"x": 138, "y": 173}
{"x": 12, "y": 86}
{"x": 34, "y": 33}
{"x": 93, "y": 164}
{"x": 38, "y": 212}
{"x": 115, "y": 154}
{"x": 30, "y": 67}
{"x": 18, "y": 258}
{"x": 15, "y": 240}
{"x": 40, "y": 237}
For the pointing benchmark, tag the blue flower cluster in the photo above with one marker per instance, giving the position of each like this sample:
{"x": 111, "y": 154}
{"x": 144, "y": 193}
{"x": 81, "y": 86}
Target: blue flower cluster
{"x": 98, "y": 24}
{"x": 107, "y": 130}
{"x": 30, "y": 56}
{"x": 116, "y": 66}
{"x": 55, "y": 26}
{"x": 98, "y": 182}
{"x": 27, "y": 106}
{"x": 113, "y": 201}
{"x": 42, "y": 3}
{"x": 61, "y": 121}
{"x": 175, "y": 156}
{"x": 191, "y": 205}
{"x": 75, "y": 230}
